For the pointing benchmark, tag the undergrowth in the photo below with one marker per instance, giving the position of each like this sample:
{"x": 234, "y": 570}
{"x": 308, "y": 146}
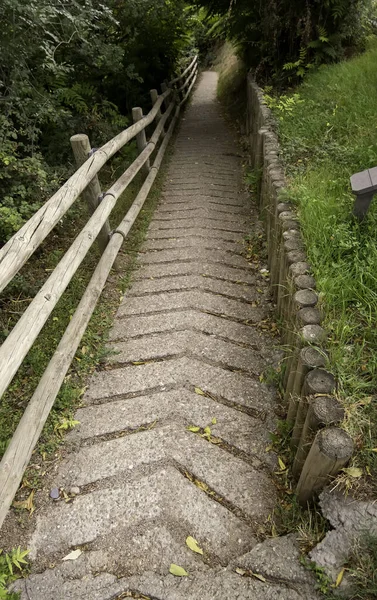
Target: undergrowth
{"x": 327, "y": 130}
{"x": 12, "y": 564}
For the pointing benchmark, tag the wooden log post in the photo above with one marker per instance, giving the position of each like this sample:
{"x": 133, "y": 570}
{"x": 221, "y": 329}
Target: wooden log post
{"x": 330, "y": 452}
{"x": 154, "y": 98}
{"x": 308, "y": 315}
{"x": 164, "y": 87}
{"x": 274, "y": 242}
{"x": 92, "y": 193}
{"x": 301, "y": 299}
{"x": 317, "y": 381}
{"x": 322, "y": 412}
{"x": 291, "y": 240}
{"x": 309, "y": 357}
{"x": 295, "y": 283}
{"x": 294, "y": 270}
{"x": 141, "y": 138}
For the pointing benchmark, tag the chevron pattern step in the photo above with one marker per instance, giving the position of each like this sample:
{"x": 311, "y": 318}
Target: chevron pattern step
{"x": 214, "y": 269}
{"x": 215, "y": 208}
{"x": 164, "y": 495}
{"x": 191, "y": 253}
{"x": 186, "y": 371}
{"x": 193, "y": 343}
{"x": 187, "y": 232}
{"x": 247, "y": 434}
{"x": 239, "y": 483}
{"x": 219, "y": 224}
{"x": 193, "y": 240}
{"x": 72, "y": 582}
{"x": 174, "y": 426}
{"x": 200, "y": 300}
{"x": 189, "y": 320}
{"x": 196, "y": 282}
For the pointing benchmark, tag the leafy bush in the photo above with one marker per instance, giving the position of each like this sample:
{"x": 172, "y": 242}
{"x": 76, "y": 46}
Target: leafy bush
{"x": 283, "y": 40}
{"x": 74, "y": 67}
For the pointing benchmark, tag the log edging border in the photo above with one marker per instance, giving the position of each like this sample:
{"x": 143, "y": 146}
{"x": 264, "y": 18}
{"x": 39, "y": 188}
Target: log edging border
{"x": 294, "y": 291}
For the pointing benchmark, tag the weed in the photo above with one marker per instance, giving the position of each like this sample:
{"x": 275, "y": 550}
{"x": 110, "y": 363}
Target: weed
{"x": 12, "y": 564}
{"x": 362, "y": 569}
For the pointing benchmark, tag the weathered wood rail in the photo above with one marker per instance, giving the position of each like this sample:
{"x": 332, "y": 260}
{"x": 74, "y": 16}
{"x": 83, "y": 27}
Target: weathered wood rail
{"x": 165, "y": 111}
{"x": 321, "y": 447}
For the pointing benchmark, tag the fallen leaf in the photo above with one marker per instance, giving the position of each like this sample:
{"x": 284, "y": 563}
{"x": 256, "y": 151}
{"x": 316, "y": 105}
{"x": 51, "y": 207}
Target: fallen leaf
{"x": 268, "y": 448}
{"x": 258, "y": 576}
{"x": 340, "y": 577}
{"x": 193, "y": 545}
{"x": 26, "y": 504}
{"x": 199, "y": 391}
{"x": 207, "y": 430}
{"x": 177, "y": 571}
{"x": 281, "y": 464}
{"x": 138, "y": 362}
{"x": 193, "y": 428}
{"x": 214, "y": 421}
{"x": 73, "y": 555}
{"x": 353, "y": 472}
{"x": 240, "y": 571}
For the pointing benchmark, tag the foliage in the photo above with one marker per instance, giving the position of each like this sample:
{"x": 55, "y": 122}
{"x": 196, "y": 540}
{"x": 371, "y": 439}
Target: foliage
{"x": 283, "y": 40}
{"x": 11, "y": 566}
{"x": 326, "y": 137}
{"x": 69, "y": 67}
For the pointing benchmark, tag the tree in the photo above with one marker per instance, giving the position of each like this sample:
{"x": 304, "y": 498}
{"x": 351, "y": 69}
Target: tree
{"x": 287, "y": 37}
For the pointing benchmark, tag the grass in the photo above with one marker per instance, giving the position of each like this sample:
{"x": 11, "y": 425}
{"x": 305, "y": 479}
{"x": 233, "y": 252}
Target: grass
{"x": 327, "y": 128}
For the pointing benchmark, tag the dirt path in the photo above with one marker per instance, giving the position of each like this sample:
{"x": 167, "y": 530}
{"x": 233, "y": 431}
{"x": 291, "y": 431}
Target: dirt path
{"x": 189, "y": 346}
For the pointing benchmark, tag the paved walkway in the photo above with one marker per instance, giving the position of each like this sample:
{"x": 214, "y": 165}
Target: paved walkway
{"x": 190, "y": 345}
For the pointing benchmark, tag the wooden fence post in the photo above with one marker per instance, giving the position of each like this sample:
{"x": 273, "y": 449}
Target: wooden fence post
{"x": 330, "y": 452}
{"x": 92, "y": 193}
{"x": 154, "y": 98}
{"x": 322, "y": 412}
{"x": 141, "y": 139}
{"x": 164, "y": 87}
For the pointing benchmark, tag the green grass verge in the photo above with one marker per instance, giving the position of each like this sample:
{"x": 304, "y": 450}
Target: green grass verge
{"x": 328, "y": 131}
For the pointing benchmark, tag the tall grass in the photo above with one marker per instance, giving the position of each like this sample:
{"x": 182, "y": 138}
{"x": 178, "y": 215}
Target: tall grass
{"x": 328, "y": 131}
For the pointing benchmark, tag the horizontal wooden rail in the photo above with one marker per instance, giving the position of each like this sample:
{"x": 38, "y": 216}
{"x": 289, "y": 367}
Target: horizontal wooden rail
{"x": 24, "y": 334}
{"x": 22, "y": 337}
{"x": 22, "y": 245}
{"x": 190, "y": 88}
{"x": 190, "y": 66}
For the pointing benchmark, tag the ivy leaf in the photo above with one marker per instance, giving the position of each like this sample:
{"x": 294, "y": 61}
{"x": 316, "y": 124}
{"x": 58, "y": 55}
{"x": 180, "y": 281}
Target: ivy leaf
{"x": 193, "y": 545}
{"x": 177, "y": 571}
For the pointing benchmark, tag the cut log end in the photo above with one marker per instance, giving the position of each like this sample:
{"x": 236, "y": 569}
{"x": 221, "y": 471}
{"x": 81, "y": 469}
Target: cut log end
{"x": 335, "y": 444}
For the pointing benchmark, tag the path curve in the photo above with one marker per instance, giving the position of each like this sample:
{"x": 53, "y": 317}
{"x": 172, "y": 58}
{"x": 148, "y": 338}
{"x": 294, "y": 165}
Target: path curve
{"x": 190, "y": 344}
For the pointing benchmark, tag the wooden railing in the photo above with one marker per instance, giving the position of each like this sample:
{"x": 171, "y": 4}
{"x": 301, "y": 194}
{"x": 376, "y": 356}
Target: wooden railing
{"x": 22, "y": 245}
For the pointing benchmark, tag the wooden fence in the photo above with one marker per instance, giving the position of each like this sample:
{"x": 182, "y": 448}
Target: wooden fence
{"x": 165, "y": 112}
{"x": 320, "y": 446}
